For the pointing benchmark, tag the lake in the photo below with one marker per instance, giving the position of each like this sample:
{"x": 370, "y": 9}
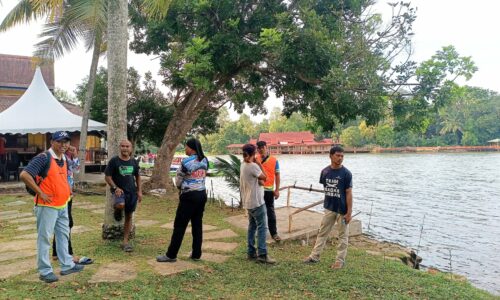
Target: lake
{"x": 454, "y": 196}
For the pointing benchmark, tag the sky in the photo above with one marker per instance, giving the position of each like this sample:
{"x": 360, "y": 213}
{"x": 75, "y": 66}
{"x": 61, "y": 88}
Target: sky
{"x": 472, "y": 27}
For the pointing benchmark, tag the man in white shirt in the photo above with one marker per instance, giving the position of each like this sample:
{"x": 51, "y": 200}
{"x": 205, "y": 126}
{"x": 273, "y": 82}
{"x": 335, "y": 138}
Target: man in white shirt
{"x": 252, "y": 177}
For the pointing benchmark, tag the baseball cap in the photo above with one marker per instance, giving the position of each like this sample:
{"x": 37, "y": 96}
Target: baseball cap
{"x": 60, "y": 136}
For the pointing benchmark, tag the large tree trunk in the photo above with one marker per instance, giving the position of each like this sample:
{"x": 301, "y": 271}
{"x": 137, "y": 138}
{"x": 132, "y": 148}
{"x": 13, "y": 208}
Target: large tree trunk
{"x": 182, "y": 121}
{"x": 117, "y": 99}
{"x": 89, "y": 95}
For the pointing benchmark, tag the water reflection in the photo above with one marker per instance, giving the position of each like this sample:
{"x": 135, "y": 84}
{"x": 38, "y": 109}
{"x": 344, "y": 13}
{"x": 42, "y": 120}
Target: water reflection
{"x": 459, "y": 194}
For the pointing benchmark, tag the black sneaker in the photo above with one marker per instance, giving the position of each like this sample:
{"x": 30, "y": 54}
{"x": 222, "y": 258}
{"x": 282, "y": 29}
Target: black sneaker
{"x": 252, "y": 257}
{"x": 118, "y": 215}
{"x": 75, "y": 269}
{"x": 51, "y": 277}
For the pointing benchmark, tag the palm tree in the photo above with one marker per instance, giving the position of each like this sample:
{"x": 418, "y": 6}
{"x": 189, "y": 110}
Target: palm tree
{"x": 67, "y": 22}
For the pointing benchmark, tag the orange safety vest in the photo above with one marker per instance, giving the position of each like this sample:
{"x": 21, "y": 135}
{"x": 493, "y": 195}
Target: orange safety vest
{"x": 269, "y": 166}
{"x": 56, "y": 186}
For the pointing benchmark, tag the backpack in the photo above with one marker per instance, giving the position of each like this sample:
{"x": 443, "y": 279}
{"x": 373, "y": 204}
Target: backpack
{"x": 41, "y": 177}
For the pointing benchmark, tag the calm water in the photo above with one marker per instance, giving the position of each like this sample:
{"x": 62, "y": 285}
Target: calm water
{"x": 458, "y": 194}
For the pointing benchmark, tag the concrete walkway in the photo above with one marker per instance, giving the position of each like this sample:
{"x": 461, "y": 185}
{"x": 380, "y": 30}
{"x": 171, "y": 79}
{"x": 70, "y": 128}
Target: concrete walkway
{"x": 304, "y": 224}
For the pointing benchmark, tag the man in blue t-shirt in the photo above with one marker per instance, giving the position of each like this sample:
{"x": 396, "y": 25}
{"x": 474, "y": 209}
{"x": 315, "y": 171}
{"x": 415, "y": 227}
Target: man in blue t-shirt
{"x": 337, "y": 181}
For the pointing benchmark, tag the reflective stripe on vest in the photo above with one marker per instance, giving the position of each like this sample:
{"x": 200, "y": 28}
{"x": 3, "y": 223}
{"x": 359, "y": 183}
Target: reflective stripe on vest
{"x": 56, "y": 186}
{"x": 269, "y": 166}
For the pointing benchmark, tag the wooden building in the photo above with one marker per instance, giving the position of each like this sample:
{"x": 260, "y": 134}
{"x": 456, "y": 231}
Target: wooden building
{"x": 16, "y": 75}
{"x": 302, "y": 142}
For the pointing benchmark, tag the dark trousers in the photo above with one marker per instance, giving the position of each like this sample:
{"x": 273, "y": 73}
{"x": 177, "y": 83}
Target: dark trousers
{"x": 271, "y": 215}
{"x": 70, "y": 216}
{"x": 191, "y": 207}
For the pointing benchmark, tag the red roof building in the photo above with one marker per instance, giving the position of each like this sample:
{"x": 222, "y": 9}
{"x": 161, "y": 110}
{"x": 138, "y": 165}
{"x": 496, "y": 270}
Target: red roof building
{"x": 301, "y": 142}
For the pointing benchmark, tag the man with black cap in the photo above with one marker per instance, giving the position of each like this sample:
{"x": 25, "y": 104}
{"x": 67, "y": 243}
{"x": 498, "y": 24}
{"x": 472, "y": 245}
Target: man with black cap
{"x": 52, "y": 196}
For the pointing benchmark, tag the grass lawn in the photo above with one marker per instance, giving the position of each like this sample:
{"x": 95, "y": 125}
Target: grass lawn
{"x": 364, "y": 277}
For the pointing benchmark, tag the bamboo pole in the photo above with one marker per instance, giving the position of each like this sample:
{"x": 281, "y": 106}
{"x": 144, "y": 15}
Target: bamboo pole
{"x": 288, "y": 197}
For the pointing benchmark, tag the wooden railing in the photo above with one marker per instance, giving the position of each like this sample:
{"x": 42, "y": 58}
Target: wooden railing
{"x": 289, "y": 192}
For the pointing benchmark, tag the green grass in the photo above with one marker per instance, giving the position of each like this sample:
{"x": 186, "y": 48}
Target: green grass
{"x": 364, "y": 277}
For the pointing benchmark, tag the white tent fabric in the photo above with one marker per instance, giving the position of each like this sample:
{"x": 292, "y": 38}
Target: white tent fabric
{"x": 37, "y": 111}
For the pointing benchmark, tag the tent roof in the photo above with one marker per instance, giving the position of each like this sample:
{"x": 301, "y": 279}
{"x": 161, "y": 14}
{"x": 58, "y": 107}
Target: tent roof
{"x": 494, "y": 141}
{"x": 37, "y": 111}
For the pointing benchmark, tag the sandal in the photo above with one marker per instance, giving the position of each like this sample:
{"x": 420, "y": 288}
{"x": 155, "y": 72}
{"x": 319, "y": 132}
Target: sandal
{"x": 337, "y": 265}
{"x": 85, "y": 261}
{"x": 127, "y": 248}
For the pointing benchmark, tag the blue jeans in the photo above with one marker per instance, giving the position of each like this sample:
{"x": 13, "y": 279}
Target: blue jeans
{"x": 51, "y": 221}
{"x": 257, "y": 222}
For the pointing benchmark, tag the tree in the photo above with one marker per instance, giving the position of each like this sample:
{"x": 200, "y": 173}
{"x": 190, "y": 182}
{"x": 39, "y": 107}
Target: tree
{"x": 117, "y": 97}
{"x": 66, "y": 23}
{"x": 148, "y": 110}
{"x": 331, "y": 60}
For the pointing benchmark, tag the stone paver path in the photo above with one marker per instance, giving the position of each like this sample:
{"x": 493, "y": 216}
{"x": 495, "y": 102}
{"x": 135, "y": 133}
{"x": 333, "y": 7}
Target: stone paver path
{"x": 23, "y": 220}
{"x": 212, "y": 257}
{"x": 79, "y": 229}
{"x": 16, "y": 254}
{"x": 221, "y": 234}
{"x": 15, "y": 215}
{"x": 91, "y": 206}
{"x": 15, "y": 203}
{"x": 80, "y": 204}
{"x": 220, "y": 246}
{"x": 17, "y": 268}
{"x": 26, "y": 227}
{"x": 29, "y": 236}
{"x": 206, "y": 227}
{"x": 146, "y": 223}
{"x": 17, "y": 245}
{"x": 114, "y": 272}
{"x": 9, "y": 212}
{"x": 34, "y": 277}
{"x": 173, "y": 268}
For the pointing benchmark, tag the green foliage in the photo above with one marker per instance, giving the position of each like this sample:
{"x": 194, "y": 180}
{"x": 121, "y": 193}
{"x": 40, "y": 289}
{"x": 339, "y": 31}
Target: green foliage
{"x": 351, "y": 137}
{"x": 364, "y": 277}
{"x": 230, "y": 169}
{"x": 148, "y": 111}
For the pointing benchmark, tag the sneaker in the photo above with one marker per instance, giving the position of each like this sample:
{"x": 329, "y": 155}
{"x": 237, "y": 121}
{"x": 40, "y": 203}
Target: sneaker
{"x": 51, "y": 277}
{"x": 194, "y": 259}
{"x": 75, "y": 269}
{"x": 164, "y": 258}
{"x": 310, "y": 260}
{"x": 252, "y": 257}
{"x": 265, "y": 259}
{"x": 118, "y": 215}
{"x": 277, "y": 238}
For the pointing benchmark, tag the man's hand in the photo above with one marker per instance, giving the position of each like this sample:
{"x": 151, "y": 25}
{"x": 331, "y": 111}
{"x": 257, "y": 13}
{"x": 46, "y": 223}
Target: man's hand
{"x": 118, "y": 192}
{"x": 348, "y": 217}
{"x": 276, "y": 193}
{"x": 139, "y": 197}
{"x": 46, "y": 199}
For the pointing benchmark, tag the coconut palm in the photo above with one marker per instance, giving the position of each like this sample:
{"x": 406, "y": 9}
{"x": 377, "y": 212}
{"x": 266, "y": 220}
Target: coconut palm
{"x": 67, "y": 23}
{"x": 230, "y": 169}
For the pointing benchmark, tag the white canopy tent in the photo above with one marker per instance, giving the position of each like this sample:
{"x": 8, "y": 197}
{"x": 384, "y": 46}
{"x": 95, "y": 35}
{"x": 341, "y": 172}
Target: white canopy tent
{"x": 37, "y": 111}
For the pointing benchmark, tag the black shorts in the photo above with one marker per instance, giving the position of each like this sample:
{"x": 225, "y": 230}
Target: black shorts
{"x": 130, "y": 202}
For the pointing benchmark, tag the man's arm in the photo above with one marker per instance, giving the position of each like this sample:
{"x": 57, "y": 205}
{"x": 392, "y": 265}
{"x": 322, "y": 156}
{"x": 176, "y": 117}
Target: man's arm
{"x": 277, "y": 187}
{"x": 30, "y": 182}
{"x": 348, "y": 215}
{"x": 139, "y": 187}
{"x": 109, "y": 180}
